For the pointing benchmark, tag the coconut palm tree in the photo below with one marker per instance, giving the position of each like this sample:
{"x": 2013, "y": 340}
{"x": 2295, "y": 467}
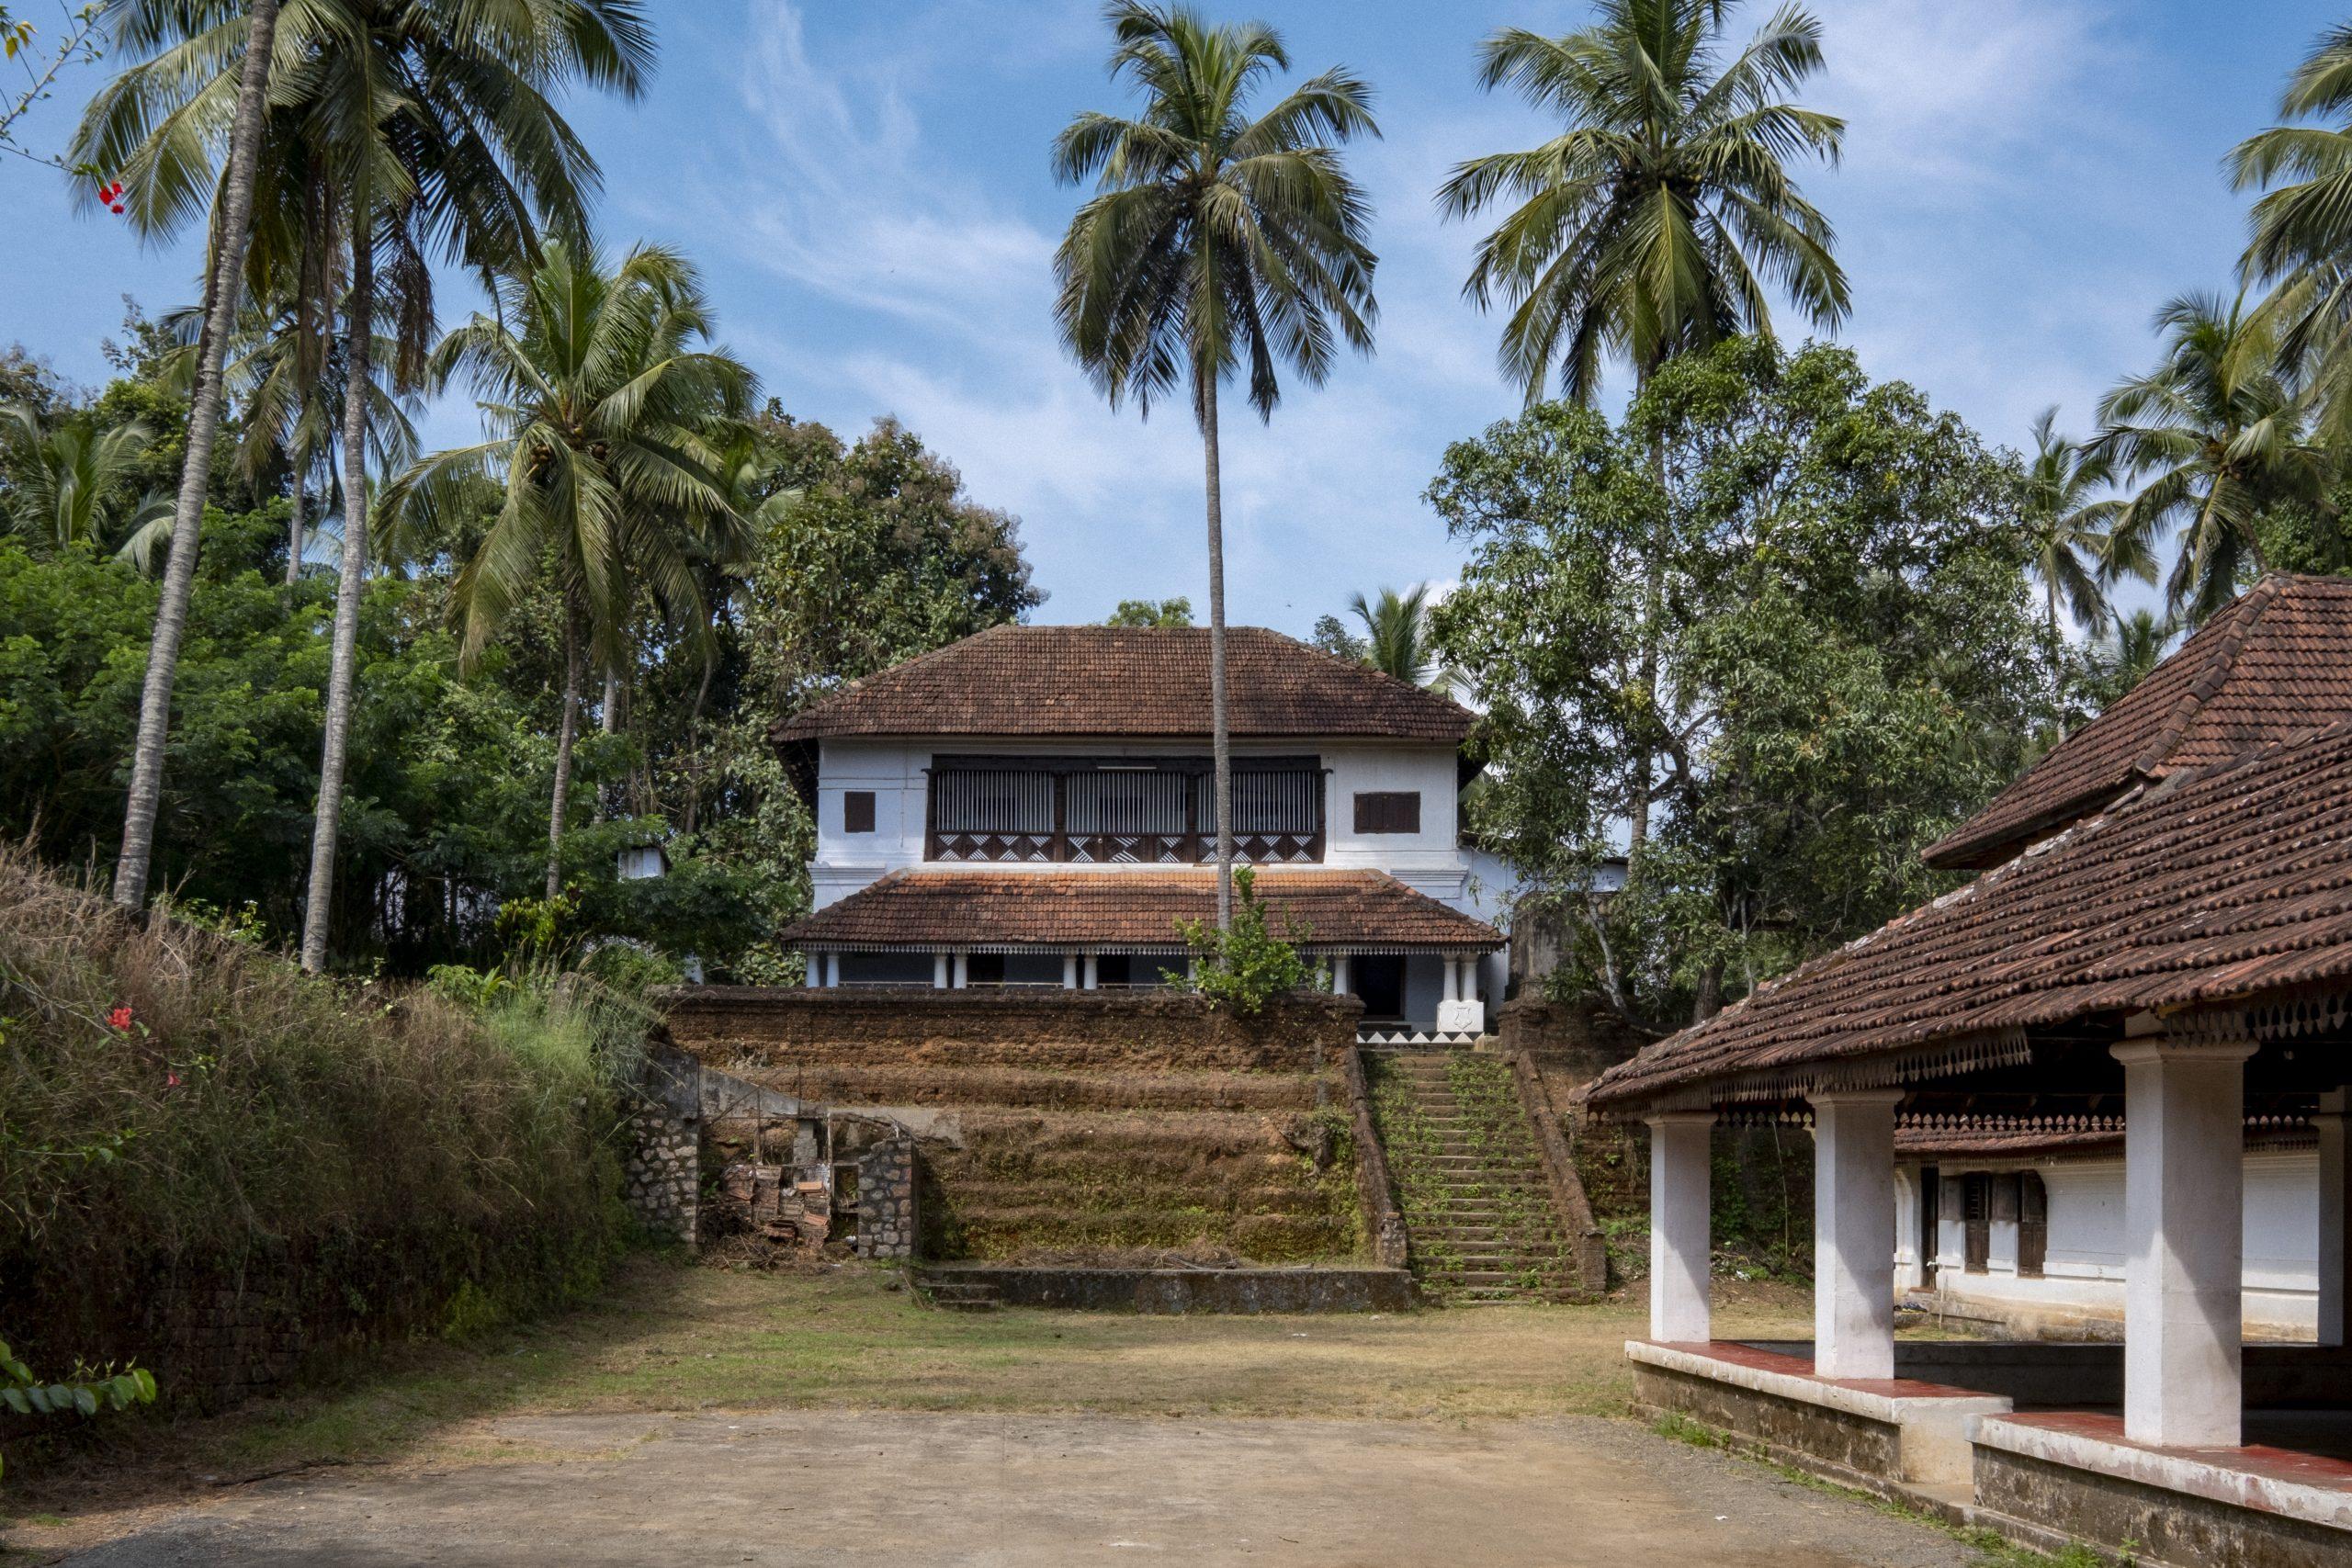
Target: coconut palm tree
{"x": 1661, "y": 215}
{"x": 1400, "y": 638}
{"x": 1218, "y": 233}
{"x": 609, "y": 442}
{"x": 67, "y": 477}
{"x": 2122, "y": 659}
{"x": 2070, "y": 528}
{"x": 160, "y": 198}
{"x": 426, "y": 129}
{"x": 2212, "y": 435}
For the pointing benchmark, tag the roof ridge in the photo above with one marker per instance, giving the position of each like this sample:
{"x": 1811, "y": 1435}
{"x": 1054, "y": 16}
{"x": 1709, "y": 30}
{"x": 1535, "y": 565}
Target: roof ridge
{"x": 2212, "y": 678}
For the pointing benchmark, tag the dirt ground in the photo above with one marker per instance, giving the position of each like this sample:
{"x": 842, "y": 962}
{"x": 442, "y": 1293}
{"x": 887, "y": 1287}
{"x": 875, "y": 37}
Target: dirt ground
{"x": 702, "y": 1417}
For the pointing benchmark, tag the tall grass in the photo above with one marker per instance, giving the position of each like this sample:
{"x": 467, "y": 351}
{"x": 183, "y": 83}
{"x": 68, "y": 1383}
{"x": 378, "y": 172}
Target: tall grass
{"x": 175, "y": 1099}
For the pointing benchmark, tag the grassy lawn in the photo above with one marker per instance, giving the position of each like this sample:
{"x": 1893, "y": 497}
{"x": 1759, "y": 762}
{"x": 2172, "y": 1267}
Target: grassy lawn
{"x": 672, "y": 1337}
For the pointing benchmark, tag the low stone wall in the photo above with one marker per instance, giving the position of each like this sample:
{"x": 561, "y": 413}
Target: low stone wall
{"x": 1178, "y": 1291}
{"x": 2163, "y": 1507}
{"x": 1043, "y": 1028}
{"x": 1588, "y": 1248}
{"x": 1384, "y": 1222}
{"x": 661, "y": 1173}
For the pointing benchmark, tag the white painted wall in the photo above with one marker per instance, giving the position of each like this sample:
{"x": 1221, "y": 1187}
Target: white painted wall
{"x": 2082, "y": 1274}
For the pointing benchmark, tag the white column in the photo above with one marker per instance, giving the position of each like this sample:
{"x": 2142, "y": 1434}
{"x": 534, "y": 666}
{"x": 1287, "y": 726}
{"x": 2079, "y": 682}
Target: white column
{"x": 1070, "y": 971}
{"x": 2335, "y": 1210}
{"x": 1853, "y": 1233}
{"x": 2184, "y": 1217}
{"x": 833, "y": 970}
{"x": 1679, "y": 1226}
{"x": 1087, "y": 978}
{"x": 812, "y": 970}
{"x": 960, "y": 972}
{"x": 1340, "y": 981}
{"x": 1452, "y": 992}
{"x": 939, "y": 971}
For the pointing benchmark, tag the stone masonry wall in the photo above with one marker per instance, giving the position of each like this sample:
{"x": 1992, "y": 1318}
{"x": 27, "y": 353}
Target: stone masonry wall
{"x": 662, "y": 1175}
{"x": 885, "y": 1201}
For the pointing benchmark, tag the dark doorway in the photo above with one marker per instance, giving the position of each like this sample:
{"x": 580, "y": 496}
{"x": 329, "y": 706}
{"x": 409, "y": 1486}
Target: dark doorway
{"x": 984, "y": 969}
{"x": 2033, "y": 1225}
{"x": 1930, "y": 1222}
{"x": 1976, "y": 1192}
{"x": 1124, "y": 969}
{"x": 1379, "y": 980}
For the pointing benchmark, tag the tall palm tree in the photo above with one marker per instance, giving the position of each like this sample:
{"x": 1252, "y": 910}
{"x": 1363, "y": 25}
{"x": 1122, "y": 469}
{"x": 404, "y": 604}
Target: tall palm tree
{"x": 1659, "y": 218}
{"x": 1217, "y": 234}
{"x": 67, "y": 478}
{"x": 159, "y": 200}
{"x": 610, "y": 443}
{"x": 1657, "y": 221}
{"x": 2070, "y": 528}
{"x": 2134, "y": 645}
{"x": 2300, "y": 236}
{"x": 2214, "y": 435}
{"x": 1400, "y": 638}
{"x": 428, "y": 127}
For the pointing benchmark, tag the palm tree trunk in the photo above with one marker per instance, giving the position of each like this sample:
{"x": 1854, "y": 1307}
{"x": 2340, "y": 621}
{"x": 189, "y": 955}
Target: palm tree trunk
{"x": 358, "y": 328}
{"x": 221, "y": 287}
{"x": 1637, "y": 826}
{"x": 294, "y": 528}
{"x": 1220, "y": 740}
{"x": 565, "y": 734}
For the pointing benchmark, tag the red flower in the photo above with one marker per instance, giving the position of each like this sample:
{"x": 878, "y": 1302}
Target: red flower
{"x": 171, "y": 1080}
{"x": 121, "y": 1019}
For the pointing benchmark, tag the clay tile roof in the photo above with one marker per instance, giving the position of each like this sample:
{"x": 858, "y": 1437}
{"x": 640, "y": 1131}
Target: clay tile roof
{"x": 2212, "y": 885}
{"x": 996, "y": 911}
{"x": 2276, "y": 660}
{"x": 1114, "y": 680}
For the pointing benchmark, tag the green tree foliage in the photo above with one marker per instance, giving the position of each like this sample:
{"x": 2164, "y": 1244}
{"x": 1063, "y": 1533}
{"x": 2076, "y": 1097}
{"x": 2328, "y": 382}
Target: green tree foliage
{"x": 2070, "y": 529}
{"x": 1400, "y": 637}
{"x": 1851, "y": 661}
{"x": 1244, "y": 967}
{"x": 1152, "y": 612}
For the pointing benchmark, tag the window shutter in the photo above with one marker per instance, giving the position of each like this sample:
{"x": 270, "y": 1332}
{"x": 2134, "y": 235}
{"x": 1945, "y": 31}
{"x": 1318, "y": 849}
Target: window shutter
{"x": 857, "y": 811}
{"x": 1388, "y": 811}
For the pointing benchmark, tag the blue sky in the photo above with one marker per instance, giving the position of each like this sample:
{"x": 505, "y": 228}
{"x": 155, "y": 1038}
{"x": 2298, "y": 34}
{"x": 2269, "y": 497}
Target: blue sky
{"x": 865, "y": 187}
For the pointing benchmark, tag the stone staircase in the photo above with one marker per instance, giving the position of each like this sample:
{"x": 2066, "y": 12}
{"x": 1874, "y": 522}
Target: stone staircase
{"x": 1479, "y": 1213}
{"x": 942, "y": 1289}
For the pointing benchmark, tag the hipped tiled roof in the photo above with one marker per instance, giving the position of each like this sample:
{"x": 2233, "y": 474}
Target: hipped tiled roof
{"x": 2211, "y": 885}
{"x": 2278, "y": 660}
{"x": 1117, "y": 909}
{"x": 1122, "y": 681}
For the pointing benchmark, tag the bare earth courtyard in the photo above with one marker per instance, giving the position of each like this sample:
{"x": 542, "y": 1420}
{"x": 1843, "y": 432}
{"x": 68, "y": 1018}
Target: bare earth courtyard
{"x": 704, "y": 1417}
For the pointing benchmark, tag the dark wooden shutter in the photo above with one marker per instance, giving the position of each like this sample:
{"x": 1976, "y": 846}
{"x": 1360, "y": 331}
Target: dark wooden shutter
{"x": 1977, "y": 1217}
{"x": 1388, "y": 811}
{"x": 2033, "y": 1225}
{"x": 1930, "y": 1221}
{"x": 857, "y": 811}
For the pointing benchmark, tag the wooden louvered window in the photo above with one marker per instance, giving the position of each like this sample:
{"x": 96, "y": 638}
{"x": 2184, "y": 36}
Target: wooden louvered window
{"x": 1976, "y": 1196}
{"x": 2033, "y": 1225}
{"x": 857, "y": 811}
{"x": 1388, "y": 811}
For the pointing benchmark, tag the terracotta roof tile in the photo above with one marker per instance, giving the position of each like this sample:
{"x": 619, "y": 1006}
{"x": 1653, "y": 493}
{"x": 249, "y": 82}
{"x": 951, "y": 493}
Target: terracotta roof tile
{"x": 1114, "y": 680}
{"x": 2275, "y": 661}
{"x": 997, "y": 911}
{"x": 2213, "y": 884}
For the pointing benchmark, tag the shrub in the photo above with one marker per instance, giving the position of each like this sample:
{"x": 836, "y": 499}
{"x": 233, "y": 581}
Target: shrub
{"x": 1245, "y": 968}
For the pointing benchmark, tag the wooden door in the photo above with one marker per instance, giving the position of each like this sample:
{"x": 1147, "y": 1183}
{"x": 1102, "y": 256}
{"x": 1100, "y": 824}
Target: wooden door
{"x": 2033, "y": 1225}
{"x": 1930, "y": 1222}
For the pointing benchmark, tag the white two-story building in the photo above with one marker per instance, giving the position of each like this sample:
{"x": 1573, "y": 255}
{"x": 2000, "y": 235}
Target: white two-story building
{"x": 1034, "y": 806}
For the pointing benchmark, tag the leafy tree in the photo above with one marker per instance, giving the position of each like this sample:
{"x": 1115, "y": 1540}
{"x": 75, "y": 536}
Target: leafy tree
{"x": 1400, "y": 639}
{"x": 1246, "y": 964}
{"x": 1851, "y": 662}
{"x": 2213, "y": 436}
{"x": 1216, "y": 236}
{"x": 68, "y": 479}
{"x": 1150, "y": 612}
{"x": 1331, "y": 635}
{"x": 609, "y": 427}
{"x": 1655, "y": 221}
{"x": 2070, "y": 528}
